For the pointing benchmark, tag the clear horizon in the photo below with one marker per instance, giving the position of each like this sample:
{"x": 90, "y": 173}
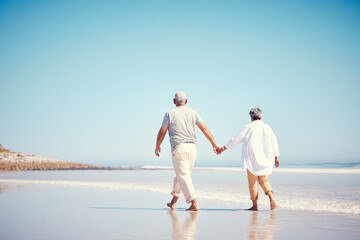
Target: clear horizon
{"x": 86, "y": 81}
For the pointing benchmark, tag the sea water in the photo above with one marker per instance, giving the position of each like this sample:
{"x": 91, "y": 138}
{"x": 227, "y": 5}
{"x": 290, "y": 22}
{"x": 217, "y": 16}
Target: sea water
{"x": 319, "y": 188}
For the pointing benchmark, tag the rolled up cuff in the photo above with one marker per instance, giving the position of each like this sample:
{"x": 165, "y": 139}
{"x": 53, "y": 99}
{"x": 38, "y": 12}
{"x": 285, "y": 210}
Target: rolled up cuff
{"x": 176, "y": 194}
{"x": 191, "y": 198}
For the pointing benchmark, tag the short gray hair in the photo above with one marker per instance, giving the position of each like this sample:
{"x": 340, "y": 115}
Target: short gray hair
{"x": 255, "y": 113}
{"x": 180, "y": 97}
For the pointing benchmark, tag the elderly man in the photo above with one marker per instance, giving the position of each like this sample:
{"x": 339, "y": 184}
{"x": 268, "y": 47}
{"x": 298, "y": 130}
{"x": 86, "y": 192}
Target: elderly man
{"x": 260, "y": 149}
{"x": 181, "y": 122}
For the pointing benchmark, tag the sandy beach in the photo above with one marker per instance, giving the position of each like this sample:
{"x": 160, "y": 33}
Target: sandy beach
{"x": 49, "y": 212}
{"x": 131, "y": 204}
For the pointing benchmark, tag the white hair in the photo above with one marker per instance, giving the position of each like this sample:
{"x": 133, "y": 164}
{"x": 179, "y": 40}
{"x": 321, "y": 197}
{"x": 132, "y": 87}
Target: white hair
{"x": 255, "y": 113}
{"x": 180, "y": 97}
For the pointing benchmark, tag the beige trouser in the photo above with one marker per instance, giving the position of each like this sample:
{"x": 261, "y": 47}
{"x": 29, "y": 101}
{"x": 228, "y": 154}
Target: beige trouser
{"x": 183, "y": 158}
{"x": 253, "y": 184}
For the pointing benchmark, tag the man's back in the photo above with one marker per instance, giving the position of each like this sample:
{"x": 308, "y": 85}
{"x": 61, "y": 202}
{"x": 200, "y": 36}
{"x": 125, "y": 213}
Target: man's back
{"x": 181, "y": 123}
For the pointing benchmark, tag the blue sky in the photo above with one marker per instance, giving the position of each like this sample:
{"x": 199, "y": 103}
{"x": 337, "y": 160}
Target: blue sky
{"x": 90, "y": 81}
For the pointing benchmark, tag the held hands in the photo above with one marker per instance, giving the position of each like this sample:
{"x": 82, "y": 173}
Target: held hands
{"x": 218, "y": 150}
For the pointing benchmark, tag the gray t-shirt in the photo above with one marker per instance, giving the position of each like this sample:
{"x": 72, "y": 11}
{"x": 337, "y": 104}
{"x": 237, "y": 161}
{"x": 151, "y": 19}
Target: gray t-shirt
{"x": 181, "y": 123}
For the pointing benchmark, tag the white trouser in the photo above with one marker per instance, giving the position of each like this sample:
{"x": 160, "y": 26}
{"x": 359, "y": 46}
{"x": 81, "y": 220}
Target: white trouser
{"x": 183, "y": 158}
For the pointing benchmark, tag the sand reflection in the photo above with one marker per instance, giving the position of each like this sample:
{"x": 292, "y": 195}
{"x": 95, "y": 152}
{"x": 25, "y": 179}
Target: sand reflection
{"x": 184, "y": 230}
{"x": 262, "y": 228}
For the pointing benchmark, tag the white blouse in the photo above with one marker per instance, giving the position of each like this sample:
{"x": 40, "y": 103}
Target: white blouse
{"x": 259, "y": 147}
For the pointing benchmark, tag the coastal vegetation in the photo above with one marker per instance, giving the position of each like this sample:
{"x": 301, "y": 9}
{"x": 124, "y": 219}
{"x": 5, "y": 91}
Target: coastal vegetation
{"x": 2, "y": 149}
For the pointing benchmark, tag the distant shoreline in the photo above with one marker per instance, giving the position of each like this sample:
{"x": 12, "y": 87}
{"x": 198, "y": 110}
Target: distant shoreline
{"x": 12, "y": 161}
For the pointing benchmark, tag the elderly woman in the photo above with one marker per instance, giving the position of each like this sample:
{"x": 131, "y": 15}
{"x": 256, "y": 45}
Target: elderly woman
{"x": 260, "y": 150}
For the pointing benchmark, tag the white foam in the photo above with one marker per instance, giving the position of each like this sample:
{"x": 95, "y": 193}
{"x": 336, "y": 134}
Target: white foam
{"x": 319, "y": 170}
{"x": 110, "y": 185}
{"x": 292, "y": 170}
{"x": 156, "y": 168}
{"x": 295, "y": 203}
{"x": 320, "y": 205}
{"x": 278, "y": 170}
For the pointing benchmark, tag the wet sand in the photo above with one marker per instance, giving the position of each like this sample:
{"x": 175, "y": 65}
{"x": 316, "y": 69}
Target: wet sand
{"x": 30, "y": 211}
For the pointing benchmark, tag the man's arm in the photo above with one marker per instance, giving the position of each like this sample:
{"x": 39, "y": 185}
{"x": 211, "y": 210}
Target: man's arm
{"x": 208, "y": 135}
{"x": 159, "y": 140}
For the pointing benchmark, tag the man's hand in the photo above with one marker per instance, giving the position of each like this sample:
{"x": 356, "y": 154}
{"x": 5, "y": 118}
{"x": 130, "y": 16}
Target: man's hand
{"x": 277, "y": 162}
{"x": 157, "y": 151}
{"x": 216, "y": 149}
{"x": 219, "y": 150}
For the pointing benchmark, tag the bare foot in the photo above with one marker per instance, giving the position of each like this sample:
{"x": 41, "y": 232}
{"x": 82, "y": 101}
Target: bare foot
{"x": 193, "y": 208}
{"x": 272, "y": 204}
{"x": 172, "y": 203}
{"x": 272, "y": 201}
{"x": 253, "y": 208}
